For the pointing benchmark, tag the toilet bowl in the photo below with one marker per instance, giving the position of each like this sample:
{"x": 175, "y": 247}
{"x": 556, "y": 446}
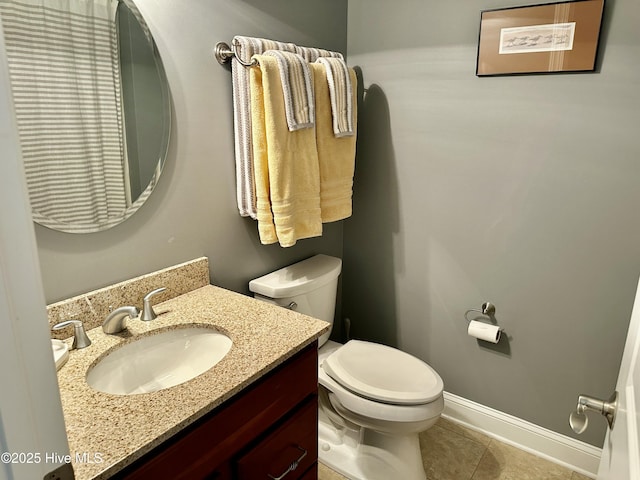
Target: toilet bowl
{"x": 374, "y": 400}
{"x": 369, "y": 424}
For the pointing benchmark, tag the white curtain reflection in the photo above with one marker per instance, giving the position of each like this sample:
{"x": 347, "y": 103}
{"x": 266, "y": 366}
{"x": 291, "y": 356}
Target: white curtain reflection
{"x": 65, "y": 75}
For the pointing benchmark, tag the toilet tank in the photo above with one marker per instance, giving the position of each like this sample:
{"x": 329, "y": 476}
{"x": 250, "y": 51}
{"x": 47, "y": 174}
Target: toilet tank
{"x": 308, "y": 287}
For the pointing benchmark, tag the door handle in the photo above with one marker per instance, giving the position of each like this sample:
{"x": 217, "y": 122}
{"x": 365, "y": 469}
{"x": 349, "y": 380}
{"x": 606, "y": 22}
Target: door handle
{"x": 579, "y": 420}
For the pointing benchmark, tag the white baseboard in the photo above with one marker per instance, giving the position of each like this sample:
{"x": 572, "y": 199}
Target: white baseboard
{"x": 568, "y": 452}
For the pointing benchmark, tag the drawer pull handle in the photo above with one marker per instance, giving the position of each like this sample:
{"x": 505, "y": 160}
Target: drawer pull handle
{"x": 293, "y": 466}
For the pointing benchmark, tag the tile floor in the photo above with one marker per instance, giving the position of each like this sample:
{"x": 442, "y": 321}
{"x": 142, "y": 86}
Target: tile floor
{"x": 453, "y": 452}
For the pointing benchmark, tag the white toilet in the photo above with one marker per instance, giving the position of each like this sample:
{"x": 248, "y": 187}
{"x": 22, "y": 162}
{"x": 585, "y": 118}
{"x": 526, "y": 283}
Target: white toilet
{"x": 374, "y": 399}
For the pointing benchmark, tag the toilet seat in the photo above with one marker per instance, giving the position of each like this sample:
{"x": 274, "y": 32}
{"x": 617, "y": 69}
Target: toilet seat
{"x": 366, "y": 405}
{"x": 378, "y": 410}
{"x": 383, "y": 374}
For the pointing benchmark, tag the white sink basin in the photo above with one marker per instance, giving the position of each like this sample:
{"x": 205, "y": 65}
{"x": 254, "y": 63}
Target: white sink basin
{"x": 159, "y": 361}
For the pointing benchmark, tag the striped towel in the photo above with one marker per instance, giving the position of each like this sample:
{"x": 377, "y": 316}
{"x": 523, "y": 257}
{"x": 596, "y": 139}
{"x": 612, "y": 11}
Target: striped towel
{"x": 297, "y": 88}
{"x": 245, "y": 185}
{"x": 311, "y": 54}
{"x": 65, "y": 79}
{"x": 246, "y": 48}
{"x": 340, "y": 92}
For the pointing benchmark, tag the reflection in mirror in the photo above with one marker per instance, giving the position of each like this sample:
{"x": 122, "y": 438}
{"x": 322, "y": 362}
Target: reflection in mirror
{"x": 92, "y": 107}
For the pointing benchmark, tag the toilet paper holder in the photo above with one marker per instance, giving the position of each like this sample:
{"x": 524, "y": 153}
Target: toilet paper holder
{"x": 487, "y": 308}
{"x": 488, "y": 331}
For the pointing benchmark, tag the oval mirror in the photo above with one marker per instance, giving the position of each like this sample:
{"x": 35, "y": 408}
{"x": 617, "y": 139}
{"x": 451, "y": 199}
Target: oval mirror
{"x": 92, "y": 106}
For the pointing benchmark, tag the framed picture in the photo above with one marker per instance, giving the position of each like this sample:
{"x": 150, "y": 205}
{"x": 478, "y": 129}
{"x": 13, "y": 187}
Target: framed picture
{"x": 554, "y": 37}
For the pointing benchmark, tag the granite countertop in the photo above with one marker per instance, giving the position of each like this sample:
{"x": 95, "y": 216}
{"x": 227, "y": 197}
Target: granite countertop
{"x": 110, "y": 431}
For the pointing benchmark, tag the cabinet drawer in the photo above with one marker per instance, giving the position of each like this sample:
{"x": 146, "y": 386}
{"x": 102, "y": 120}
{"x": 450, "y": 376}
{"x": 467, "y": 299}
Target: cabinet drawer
{"x": 223, "y": 472}
{"x": 287, "y": 452}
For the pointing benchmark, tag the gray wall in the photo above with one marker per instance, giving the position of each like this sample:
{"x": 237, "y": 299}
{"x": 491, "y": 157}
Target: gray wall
{"x": 192, "y": 212}
{"x": 518, "y": 190}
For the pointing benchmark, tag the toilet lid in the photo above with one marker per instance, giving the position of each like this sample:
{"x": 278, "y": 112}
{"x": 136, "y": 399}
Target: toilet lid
{"x": 383, "y": 373}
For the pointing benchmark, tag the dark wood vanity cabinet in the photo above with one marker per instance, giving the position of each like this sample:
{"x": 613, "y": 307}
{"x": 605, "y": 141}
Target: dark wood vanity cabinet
{"x": 267, "y": 429}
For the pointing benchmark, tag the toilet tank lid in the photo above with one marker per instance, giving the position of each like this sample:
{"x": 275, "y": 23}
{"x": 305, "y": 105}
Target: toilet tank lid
{"x": 299, "y": 278}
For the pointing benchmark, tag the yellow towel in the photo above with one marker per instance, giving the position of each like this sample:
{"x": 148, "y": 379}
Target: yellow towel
{"x": 286, "y": 166}
{"x": 336, "y": 155}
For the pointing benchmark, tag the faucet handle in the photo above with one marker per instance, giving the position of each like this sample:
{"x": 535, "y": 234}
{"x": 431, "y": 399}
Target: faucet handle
{"x": 147, "y": 310}
{"x": 80, "y": 338}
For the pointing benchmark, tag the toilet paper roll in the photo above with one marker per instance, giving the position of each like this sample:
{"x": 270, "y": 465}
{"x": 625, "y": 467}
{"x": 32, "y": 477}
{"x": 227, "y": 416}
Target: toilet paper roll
{"x": 484, "y": 331}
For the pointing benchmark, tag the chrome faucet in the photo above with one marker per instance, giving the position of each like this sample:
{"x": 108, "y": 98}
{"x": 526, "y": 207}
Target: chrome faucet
{"x": 116, "y": 321}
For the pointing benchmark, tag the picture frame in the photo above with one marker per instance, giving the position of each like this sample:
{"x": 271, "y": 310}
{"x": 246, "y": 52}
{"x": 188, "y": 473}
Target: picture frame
{"x": 546, "y": 38}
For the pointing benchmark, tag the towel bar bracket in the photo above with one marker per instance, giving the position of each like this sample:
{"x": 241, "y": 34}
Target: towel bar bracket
{"x": 224, "y": 53}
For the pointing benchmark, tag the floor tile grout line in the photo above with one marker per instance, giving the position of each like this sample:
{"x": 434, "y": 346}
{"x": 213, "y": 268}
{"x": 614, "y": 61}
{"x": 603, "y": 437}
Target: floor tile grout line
{"x": 484, "y": 453}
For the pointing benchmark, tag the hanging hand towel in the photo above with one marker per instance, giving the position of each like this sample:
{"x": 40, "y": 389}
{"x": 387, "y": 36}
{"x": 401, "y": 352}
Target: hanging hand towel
{"x": 340, "y": 90}
{"x": 311, "y": 54}
{"x": 246, "y": 48}
{"x": 296, "y": 88}
{"x": 336, "y": 155}
{"x": 286, "y": 164}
